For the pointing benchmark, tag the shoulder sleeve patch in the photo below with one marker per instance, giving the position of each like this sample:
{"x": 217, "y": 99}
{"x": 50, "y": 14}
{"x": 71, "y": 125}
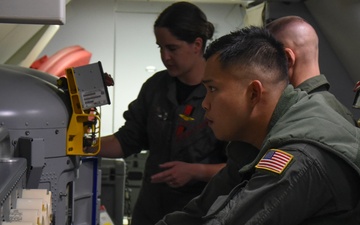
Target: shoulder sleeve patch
{"x": 275, "y": 161}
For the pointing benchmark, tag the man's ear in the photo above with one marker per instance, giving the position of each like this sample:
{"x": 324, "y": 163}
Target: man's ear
{"x": 290, "y": 55}
{"x": 255, "y": 91}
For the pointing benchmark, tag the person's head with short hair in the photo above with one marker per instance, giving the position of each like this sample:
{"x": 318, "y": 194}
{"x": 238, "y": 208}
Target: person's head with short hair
{"x": 301, "y": 45}
{"x": 245, "y": 75}
{"x": 182, "y": 31}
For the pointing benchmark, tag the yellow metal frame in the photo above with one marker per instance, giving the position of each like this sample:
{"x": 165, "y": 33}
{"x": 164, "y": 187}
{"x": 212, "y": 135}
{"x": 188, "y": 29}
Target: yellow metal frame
{"x": 77, "y": 130}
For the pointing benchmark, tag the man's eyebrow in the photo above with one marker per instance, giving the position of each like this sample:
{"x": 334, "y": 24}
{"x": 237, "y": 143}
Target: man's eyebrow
{"x": 206, "y": 81}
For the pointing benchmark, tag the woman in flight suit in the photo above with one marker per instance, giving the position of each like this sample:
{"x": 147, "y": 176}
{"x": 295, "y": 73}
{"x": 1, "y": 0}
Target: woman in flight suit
{"x": 167, "y": 119}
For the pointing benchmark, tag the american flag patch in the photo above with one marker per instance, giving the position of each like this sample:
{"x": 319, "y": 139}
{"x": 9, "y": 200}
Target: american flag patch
{"x": 275, "y": 160}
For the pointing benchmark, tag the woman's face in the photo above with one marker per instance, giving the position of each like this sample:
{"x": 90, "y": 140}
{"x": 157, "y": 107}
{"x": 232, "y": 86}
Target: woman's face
{"x": 179, "y": 57}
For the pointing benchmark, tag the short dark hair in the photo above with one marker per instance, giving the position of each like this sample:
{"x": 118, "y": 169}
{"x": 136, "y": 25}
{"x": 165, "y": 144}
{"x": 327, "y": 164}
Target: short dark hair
{"x": 186, "y": 22}
{"x": 250, "y": 46}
